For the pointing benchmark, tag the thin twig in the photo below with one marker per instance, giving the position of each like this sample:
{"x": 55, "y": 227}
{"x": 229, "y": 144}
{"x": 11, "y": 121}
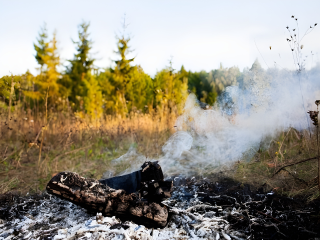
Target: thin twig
{"x": 291, "y": 164}
{"x": 5, "y": 152}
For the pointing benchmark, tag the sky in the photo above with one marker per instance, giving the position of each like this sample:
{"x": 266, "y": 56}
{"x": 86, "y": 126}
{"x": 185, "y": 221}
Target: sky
{"x": 198, "y": 34}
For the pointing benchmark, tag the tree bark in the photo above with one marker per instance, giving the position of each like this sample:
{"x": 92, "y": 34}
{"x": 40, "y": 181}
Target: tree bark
{"x": 95, "y": 196}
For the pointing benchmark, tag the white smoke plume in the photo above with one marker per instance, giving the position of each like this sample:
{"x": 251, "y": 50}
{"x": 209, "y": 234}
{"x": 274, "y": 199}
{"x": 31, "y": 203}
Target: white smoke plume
{"x": 263, "y": 103}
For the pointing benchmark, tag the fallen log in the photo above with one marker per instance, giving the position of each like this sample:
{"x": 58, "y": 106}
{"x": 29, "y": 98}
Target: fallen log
{"x": 95, "y": 196}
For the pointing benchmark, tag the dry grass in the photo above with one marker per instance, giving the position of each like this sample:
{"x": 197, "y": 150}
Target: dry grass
{"x": 77, "y": 144}
{"x": 289, "y": 147}
{"x": 69, "y": 143}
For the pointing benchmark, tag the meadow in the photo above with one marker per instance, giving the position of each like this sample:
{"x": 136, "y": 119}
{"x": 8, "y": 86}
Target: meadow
{"x": 33, "y": 149}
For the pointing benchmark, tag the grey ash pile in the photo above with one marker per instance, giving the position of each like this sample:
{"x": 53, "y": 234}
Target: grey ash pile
{"x": 198, "y": 209}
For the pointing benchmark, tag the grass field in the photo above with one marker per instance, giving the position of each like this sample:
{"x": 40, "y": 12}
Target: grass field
{"x": 33, "y": 148}
{"x": 32, "y": 151}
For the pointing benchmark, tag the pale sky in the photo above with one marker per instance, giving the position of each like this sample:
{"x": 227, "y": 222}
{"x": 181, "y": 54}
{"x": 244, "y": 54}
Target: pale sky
{"x": 198, "y": 34}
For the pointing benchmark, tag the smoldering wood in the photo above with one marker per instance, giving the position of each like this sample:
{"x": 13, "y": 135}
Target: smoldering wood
{"x": 256, "y": 213}
{"x": 95, "y": 196}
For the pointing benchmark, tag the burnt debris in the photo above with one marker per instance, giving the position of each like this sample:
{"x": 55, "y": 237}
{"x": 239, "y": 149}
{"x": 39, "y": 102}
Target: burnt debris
{"x": 257, "y": 214}
{"x": 198, "y": 208}
{"x": 136, "y": 196}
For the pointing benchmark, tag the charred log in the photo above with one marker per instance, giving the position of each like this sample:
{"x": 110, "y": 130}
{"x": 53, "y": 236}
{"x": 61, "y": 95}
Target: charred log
{"x": 95, "y": 196}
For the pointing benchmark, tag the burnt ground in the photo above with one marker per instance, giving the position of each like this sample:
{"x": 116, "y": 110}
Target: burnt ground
{"x": 264, "y": 214}
{"x": 256, "y": 214}
{"x": 20, "y": 215}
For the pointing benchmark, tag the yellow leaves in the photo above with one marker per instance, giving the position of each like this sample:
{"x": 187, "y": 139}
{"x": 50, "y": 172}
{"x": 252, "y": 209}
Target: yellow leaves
{"x": 33, "y": 95}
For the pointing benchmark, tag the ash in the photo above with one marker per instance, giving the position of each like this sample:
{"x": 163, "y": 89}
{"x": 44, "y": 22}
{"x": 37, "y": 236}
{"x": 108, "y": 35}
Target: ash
{"x": 199, "y": 209}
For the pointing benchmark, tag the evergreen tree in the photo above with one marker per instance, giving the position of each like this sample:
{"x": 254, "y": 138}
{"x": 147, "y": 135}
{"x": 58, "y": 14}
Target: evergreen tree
{"x": 5, "y": 83}
{"x": 80, "y": 66}
{"x": 139, "y": 90}
{"x": 204, "y": 90}
{"x": 223, "y": 77}
{"x": 93, "y": 98}
{"x": 122, "y": 74}
{"x": 48, "y": 80}
{"x": 46, "y": 83}
{"x": 42, "y": 46}
{"x": 207, "y": 86}
{"x": 125, "y": 87}
{"x": 19, "y": 83}
{"x": 170, "y": 90}
{"x": 108, "y": 91}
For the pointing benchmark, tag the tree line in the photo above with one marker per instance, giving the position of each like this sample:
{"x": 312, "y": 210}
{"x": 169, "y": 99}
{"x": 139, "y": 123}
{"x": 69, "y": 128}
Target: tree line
{"x": 118, "y": 90}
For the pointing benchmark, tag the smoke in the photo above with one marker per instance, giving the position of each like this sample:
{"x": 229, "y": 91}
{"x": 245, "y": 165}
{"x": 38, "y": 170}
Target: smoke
{"x": 262, "y": 103}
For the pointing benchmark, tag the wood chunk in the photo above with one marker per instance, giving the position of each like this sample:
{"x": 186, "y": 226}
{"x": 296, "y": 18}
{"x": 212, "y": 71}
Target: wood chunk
{"x": 95, "y": 196}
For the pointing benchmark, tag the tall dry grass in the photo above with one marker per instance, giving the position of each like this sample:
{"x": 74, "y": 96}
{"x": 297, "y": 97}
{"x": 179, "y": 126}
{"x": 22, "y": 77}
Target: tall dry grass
{"x": 34, "y": 147}
{"x": 71, "y": 143}
{"x": 267, "y": 168}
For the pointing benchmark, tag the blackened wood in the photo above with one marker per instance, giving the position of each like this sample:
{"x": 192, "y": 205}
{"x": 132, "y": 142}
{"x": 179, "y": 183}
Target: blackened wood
{"x": 92, "y": 195}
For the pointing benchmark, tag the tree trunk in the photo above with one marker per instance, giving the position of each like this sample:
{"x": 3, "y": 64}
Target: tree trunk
{"x": 95, "y": 196}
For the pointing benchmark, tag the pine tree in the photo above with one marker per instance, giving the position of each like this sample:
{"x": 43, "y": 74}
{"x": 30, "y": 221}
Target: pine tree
{"x": 207, "y": 86}
{"x": 122, "y": 74}
{"x": 46, "y": 83}
{"x": 93, "y": 99}
{"x": 108, "y": 91}
{"x": 170, "y": 90}
{"x": 80, "y": 66}
{"x": 18, "y": 83}
{"x": 204, "y": 89}
{"x": 42, "y": 46}
{"x": 125, "y": 88}
{"x": 5, "y": 83}
{"x": 139, "y": 91}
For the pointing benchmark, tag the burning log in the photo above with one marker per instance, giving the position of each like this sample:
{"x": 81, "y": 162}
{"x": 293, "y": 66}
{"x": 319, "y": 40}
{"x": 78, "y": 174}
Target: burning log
{"x": 126, "y": 204}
